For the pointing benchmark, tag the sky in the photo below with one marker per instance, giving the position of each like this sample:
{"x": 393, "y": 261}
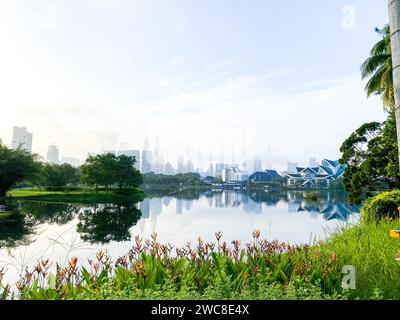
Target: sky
{"x": 213, "y": 80}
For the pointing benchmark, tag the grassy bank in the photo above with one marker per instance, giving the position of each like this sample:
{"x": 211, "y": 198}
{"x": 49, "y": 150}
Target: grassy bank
{"x": 256, "y": 270}
{"x": 80, "y": 197}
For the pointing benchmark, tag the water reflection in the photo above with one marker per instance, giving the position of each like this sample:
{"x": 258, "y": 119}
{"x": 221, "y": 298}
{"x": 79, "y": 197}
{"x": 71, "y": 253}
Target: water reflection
{"x": 95, "y": 224}
{"x": 105, "y": 223}
{"x": 331, "y": 205}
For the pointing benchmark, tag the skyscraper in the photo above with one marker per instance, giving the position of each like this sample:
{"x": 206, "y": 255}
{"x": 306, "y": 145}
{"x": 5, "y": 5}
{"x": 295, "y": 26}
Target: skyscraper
{"x": 147, "y": 157}
{"x": 132, "y": 153}
{"x": 147, "y": 160}
{"x": 52, "y": 154}
{"x": 168, "y": 169}
{"x": 181, "y": 164}
{"x": 257, "y": 165}
{"x": 21, "y": 138}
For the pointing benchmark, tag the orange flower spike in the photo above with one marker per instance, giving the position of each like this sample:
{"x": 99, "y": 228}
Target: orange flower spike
{"x": 256, "y": 234}
{"x": 100, "y": 255}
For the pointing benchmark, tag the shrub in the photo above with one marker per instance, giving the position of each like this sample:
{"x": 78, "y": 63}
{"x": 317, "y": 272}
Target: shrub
{"x": 382, "y": 206}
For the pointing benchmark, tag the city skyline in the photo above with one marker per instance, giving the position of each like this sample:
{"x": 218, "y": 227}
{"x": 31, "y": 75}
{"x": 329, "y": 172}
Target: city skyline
{"x": 216, "y": 89}
{"x": 146, "y": 163}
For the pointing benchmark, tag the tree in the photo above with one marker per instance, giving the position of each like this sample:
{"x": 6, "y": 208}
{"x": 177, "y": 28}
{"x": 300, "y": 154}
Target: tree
{"x": 16, "y": 166}
{"x": 99, "y": 170}
{"x": 108, "y": 170}
{"x": 60, "y": 175}
{"x": 378, "y": 68}
{"x": 370, "y": 154}
{"x": 126, "y": 174}
{"x": 394, "y": 19}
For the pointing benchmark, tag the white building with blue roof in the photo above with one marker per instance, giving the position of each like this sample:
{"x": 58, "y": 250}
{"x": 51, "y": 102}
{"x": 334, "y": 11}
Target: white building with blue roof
{"x": 327, "y": 172}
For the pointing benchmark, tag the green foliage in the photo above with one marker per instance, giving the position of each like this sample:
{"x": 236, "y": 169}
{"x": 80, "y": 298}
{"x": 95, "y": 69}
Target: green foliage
{"x": 371, "y": 251}
{"x": 16, "y": 166}
{"x": 259, "y": 270}
{"x": 82, "y": 197}
{"x": 59, "y": 175}
{"x": 372, "y": 161}
{"x": 378, "y": 68}
{"x": 382, "y": 206}
{"x": 183, "y": 179}
{"x": 108, "y": 170}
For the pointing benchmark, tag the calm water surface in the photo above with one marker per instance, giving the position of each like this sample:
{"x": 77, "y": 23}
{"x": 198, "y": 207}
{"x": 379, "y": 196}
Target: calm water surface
{"x": 57, "y": 231}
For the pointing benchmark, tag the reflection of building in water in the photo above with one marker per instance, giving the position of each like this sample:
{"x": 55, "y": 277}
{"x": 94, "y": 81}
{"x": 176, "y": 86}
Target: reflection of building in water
{"x": 337, "y": 212}
{"x": 210, "y": 201}
{"x": 145, "y": 208}
{"x": 252, "y": 207}
{"x": 188, "y": 204}
{"x": 218, "y": 200}
{"x": 166, "y": 201}
{"x": 142, "y": 224}
{"x": 179, "y": 206}
{"x": 156, "y": 209}
{"x": 329, "y": 209}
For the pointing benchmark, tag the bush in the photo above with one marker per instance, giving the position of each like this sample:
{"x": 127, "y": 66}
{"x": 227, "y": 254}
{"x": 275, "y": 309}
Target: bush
{"x": 382, "y": 206}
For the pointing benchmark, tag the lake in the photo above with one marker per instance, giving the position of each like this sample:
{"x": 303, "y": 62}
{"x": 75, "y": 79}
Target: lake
{"x": 56, "y": 231}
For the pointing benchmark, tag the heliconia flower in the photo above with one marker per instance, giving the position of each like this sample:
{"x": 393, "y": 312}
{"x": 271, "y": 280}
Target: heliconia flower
{"x": 44, "y": 262}
{"x": 256, "y": 234}
{"x": 154, "y": 236}
{"x": 72, "y": 263}
{"x": 19, "y": 284}
{"x": 100, "y": 255}
{"x": 236, "y": 244}
{"x": 218, "y": 235}
{"x": 138, "y": 240}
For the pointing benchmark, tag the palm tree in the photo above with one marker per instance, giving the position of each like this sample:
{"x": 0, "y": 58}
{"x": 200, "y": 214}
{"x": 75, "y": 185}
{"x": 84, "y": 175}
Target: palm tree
{"x": 378, "y": 68}
{"x": 394, "y": 19}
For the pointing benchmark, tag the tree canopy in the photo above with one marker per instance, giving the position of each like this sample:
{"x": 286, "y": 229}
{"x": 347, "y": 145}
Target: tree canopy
{"x": 371, "y": 157}
{"x": 378, "y": 68}
{"x": 16, "y": 166}
{"x": 59, "y": 175}
{"x": 108, "y": 170}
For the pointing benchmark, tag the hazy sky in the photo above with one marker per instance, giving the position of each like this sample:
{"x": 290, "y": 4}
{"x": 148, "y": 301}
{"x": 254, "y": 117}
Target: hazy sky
{"x": 277, "y": 80}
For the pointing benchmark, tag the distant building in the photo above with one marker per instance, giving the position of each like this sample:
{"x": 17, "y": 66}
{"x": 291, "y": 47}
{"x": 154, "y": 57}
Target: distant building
{"x": 210, "y": 171}
{"x": 132, "y": 153}
{"x": 71, "y": 161}
{"x": 147, "y": 160}
{"x": 257, "y": 165}
{"x": 181, "y": 164}
{"x": 189, "y": 166}
{"x": 52, "y": 154}
{"x": 21, "y": 138}
{"x": 168, "y": 169}
{"x": 292, "y": 167}
{"x": 328, "y": 171}
{"x": 266, "y": 176}
{"x": 231, "y": 174}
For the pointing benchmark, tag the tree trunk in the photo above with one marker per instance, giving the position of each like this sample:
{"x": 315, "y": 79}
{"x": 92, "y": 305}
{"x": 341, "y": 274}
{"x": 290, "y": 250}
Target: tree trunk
{"x": 394, "y": 19}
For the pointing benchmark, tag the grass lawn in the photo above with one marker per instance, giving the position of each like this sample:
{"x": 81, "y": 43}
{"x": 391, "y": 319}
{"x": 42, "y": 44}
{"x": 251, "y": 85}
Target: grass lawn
{"x": 81, "y": 196}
